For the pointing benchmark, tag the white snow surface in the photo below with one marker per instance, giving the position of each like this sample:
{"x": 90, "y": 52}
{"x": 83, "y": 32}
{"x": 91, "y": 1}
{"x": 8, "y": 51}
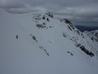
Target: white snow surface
{"x": 49, "y": 49}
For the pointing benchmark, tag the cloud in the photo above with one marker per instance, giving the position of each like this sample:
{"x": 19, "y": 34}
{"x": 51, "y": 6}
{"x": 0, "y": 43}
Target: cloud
{"x": 15, "y": 6}
{"x": 35, "y": 10}
{"x": 76, "y": 10}
{"x": 22, "y": 6}
{"x": 79, "y": 8}
{"x": 11, "y": 3}
{"x": 45, "y": 3}
{"x": 80, "y": 13}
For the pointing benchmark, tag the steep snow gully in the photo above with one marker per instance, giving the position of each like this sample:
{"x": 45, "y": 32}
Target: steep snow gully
{"x": 43, "y": 44}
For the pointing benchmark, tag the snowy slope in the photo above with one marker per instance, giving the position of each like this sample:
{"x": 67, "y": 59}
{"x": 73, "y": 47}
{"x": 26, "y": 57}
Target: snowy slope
{"x": 42, "y": 44}
{"x": 93, "y": 35}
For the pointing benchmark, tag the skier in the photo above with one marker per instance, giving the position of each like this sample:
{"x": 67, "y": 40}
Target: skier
{"x": 17, "y": 37}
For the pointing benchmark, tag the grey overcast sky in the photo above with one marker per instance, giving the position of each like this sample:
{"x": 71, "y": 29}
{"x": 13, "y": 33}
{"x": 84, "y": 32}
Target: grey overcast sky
{"x": 81, "y": 11}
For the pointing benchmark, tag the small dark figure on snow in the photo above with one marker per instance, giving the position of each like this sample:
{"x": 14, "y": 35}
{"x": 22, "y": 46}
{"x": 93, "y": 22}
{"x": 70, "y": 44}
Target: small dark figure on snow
{"x": 48, "y": 19}
{"x": 34, "y": 38}
{"x": 17, "y": 37}
{"x": 70, "y": 53}
{"x": 43, "y": 17}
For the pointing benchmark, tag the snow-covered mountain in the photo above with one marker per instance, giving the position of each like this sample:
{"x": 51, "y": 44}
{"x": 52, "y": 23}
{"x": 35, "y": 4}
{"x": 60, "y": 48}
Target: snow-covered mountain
{"x": 43, "y": 44}
{"x": 93, "y": 35}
